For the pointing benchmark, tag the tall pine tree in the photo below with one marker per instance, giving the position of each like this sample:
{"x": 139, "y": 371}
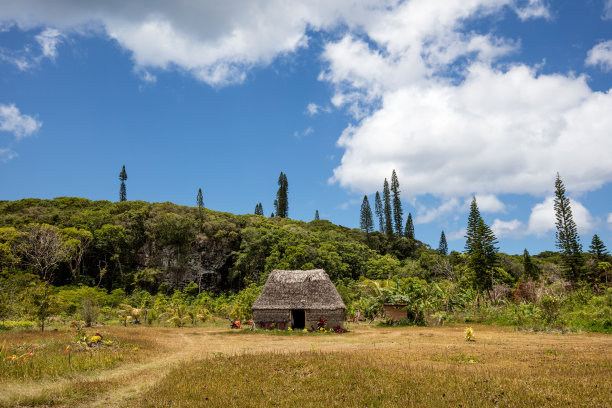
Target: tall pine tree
{"x": 316, "y": 215}
{"x": 472, "y": 226}
{"x": 443, "y": 246}
{"x": 398, "y": 219}
{"x": 282, "y": 200}
{"x": 259, "y": 209}
{"x": 409, "y": 232}
{"x": 200, "y": 202}
{"x": 366, "y": 223}
{"x": 378, "y": 209}
{"x": 481, "y": 248}
{"x": 122, "y": 190}
{"x": 387, "y": 209}
{"x": 568, "y": 241}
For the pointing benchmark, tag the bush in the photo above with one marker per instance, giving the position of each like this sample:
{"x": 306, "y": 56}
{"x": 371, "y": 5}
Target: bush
{"x": 550, "y": 307}
{"x": 89, "y": 311}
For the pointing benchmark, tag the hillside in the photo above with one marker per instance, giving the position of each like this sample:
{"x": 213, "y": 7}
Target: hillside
{"x": 139, "y": 244}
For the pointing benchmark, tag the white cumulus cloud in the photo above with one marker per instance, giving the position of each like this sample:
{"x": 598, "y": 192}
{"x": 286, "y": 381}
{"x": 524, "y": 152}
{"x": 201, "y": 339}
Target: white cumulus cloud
{"x": 487, "y": 203}
{"x": 542, "y": 218}
{"x": 219, "y": 42}
{"x": 601, "y": 56}
{"x": 13, "y": 121}
{"x": 513, "y": 228}
{"x": 455, "y": 235}
{"x": 426, "y": 215}
{"x": 216, "y": 42}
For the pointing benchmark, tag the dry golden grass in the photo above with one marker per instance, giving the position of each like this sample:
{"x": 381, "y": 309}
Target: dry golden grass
{"x": 367, "y": 367}
{"x": 48, "y": 377}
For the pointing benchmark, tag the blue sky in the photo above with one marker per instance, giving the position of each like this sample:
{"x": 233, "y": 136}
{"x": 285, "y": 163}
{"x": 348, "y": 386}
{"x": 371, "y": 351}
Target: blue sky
{"x": 462, "y": 98}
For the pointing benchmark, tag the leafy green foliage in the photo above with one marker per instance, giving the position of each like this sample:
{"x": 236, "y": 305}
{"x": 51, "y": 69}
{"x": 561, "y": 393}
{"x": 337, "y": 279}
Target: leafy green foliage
{"x": 40, "y": 302}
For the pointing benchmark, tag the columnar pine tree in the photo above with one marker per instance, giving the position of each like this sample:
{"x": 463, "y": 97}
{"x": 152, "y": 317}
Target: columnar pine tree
{"x": 387, "y": 209}
{"x": 597, "y": 248}
{"x": 483, "y": 256}
{"x": 282, "y": 201}
{"x": 409, "y": 232}
{"x": 481, "y": 248}
{"x": 122, "y": 191}
{"x": 275, "y": 207}
{"x": 531, "y": 271}
{"x": 398, "y": 219}
{"x": 259, "y": 209}
{"x": 443, "y": 246}
{"x": 200, "y": 202}
{"x": 366, "y": 223}
{"x": 473, "y": 218}
{"x": 378, "y": 209}
{"x": 568, "y": 240}
{"x": 316, "y": 215}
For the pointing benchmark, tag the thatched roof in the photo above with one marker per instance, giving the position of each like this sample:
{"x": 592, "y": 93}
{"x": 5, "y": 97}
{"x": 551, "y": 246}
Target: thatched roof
{"x": 310, "y": 289}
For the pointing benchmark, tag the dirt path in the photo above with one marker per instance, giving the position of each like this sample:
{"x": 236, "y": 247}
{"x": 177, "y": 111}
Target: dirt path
{"x": 130, "y": 381}
{"x": 134, "y": 378}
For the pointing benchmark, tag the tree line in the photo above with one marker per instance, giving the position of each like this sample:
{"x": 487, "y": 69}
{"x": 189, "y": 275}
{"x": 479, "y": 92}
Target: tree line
{"x": 481, "y": 244}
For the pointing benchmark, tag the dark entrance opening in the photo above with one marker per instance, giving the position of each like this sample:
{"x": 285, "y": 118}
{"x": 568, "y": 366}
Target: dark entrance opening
{"x": 299, "y": 318}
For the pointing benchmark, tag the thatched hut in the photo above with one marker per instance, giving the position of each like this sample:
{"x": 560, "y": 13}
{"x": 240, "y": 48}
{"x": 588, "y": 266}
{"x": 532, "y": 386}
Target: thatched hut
{"x": 298, "y": 299}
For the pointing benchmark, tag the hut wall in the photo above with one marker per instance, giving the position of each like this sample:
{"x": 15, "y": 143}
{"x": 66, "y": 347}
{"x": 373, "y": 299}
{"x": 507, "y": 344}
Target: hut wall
{"x": 396, "y": 312}
{"x": 334, "y": 317}
{"x": 264, "y": 317}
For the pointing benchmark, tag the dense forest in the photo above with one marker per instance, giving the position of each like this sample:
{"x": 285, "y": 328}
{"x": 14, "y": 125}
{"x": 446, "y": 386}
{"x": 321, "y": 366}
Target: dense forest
{"x": 135, "y": 250}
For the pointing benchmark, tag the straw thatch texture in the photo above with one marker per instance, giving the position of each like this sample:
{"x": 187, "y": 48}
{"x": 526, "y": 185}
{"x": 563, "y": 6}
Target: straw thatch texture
{"x": 311, "y": 291}
{"x": 299, "y": 290}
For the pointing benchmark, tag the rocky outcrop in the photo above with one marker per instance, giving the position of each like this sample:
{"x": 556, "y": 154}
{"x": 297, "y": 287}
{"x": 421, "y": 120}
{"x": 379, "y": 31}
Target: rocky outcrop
{"x": 206, "y": 261}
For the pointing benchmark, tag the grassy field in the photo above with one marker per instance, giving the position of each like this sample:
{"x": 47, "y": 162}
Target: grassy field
{"x": 374, "y": 367}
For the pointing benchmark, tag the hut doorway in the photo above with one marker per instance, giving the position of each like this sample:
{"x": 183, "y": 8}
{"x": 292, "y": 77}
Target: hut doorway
{"x": 299, "y": 318}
